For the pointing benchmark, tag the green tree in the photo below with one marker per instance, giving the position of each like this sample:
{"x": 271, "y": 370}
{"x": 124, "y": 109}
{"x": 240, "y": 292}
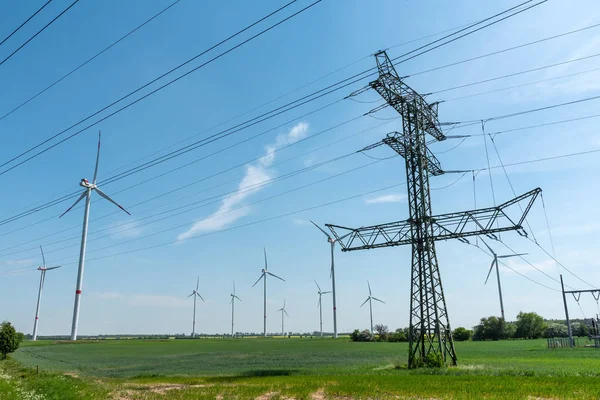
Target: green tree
{"x": 382, "y": 331}
{"x": 555, "y": 330}
{"x": 9, "y": 339}
{"x": 491, "y": 328}
{"x": 579, "y": 329}
{"x": 397, "y": 336}
{"x": 461, "y": 334}
{"x": 530, "y": 325}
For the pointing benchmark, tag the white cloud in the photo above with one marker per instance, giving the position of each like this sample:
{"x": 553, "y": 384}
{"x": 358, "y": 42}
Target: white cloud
{"x": 126, "y": 230}
{"x": 255, "y": 175}
{"x": 386, "y": 198}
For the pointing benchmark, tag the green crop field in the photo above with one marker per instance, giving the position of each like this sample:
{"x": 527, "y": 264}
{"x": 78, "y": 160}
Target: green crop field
{"x": 294, "y": 368}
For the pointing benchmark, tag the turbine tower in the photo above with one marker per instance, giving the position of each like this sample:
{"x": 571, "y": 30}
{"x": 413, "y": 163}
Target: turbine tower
{"x": 320, "y": 307}
{"x": 263, "y": 276}
{"x": 332, "y": 276}
{"x": 495, "y": 263}
{"x": 232, "y": 302}
{"x": 87, "y": 193}
{"x": 42, "y": 278}
{"x": 195, "y": 293}
{"x": 370, "y": 300}
{"x": 282, "y": 309}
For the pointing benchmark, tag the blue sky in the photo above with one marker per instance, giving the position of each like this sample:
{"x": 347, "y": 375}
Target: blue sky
{"x": 139, "y": 291}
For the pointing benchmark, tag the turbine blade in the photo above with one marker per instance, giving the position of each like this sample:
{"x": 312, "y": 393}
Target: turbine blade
{"x": 58, "y": 266}
{"x": 513, "y": 255}
{"x": 200, "y": 297}
{"x": 102, "y": 194}
{"x": 43, "y": 257}
{"x": 237, "y": 297}
{"x": 381, "y": 301}
{"x": 97, "y": 160}
{"x": 275, "y": 276}
{"x": 74, "y": 204}
{"x": 319, "y": 228}
{"x": 191, "y": 295}
{"x": 319, "y": 287}
{"x": 368, "y": 298}
{"x": 261, "y": 276}
{"x": 231, "y": 301}
{"x": 234, "y": 288}
{"x": 369, "y": 288}
{"x": 265, "y": 250}
{"x": 326, "y": 292}
{"x": 281, "y": 309}
{"x": 197, "y": 283}
{"x": 286, "y": 313}
{"x": 490, "y": 271}
{"x": 489, "y": 248}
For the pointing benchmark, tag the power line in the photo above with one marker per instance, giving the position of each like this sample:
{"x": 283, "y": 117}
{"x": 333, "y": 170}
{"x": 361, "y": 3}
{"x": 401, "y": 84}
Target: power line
{"x": 38, "y": 32}
{"x": 362, "y": 73}
{"x": 191, "y": 183}
{"x": 88, "y": 60}
{"x": 231, "y": 228}
{"x": 336, "y": 84}
{"x": 26, "y": 21}
{"x": 517, "y": 73}
{"x": 160, "y": 87}
{"x": 503, "y": 50}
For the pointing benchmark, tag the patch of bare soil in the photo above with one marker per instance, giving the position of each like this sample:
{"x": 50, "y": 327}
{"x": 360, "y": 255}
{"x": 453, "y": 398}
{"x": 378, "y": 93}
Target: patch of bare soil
{"x": 318, "y": 395}
{"x": 266, "y": 396}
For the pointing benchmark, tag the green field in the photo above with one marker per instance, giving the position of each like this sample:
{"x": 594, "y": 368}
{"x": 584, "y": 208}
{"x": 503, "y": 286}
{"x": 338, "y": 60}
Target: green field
{"x": 295, "y": 368}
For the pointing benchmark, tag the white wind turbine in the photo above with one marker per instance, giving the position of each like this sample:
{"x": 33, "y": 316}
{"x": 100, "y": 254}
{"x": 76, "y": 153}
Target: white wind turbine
{"x": 195, "y": 293}
{"x": 42, "y": 278}
{"x": 282, "y": 309}
{"x": 495, "y": 263}
{"x": 370, "y": 300}
{"x": 320, "y": 307}
{"x": 263, "y": 276}
{"x": 87, "y": 193}
{"x": 232, "y": 302}
{"x": 332, "y": 276}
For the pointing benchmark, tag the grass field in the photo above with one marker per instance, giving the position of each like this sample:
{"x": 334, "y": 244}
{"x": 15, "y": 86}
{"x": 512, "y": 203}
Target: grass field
{"x": 294, "y": 368}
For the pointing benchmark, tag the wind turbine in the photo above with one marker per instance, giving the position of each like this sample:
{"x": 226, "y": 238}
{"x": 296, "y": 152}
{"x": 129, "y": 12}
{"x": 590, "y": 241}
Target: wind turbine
{"x": 42, "y": 278}
{"x": 87, "y": 193}
{"x": 232, "y": 302}
{"x": 320, "y": 307}
{"x": 282, "y": 309}
{"x": 332, "y": 276}
{"x": 195, "y": 293}
{"x": 370, "y": 300}
{"x": 263, "y": 276}
{"x": 495, "y": 263}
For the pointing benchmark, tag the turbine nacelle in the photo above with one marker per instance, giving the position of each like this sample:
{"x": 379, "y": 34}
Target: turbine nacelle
{"x": 86, "y": 184}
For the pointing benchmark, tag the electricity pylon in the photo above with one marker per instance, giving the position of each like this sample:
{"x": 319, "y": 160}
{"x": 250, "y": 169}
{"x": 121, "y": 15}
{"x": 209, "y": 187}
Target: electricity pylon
{"x": 429, "y": 329}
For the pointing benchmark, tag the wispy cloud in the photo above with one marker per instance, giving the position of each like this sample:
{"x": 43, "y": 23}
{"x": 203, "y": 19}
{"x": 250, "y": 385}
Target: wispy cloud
{"x": 386, "y": 198}
{"x": 126, "y": 230}
{"x": 300, "y": 222}
{"x": 255, "y": 174}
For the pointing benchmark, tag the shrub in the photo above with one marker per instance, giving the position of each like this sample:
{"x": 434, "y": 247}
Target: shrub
{"x": 556, "y": 330}
{"x": 461, "y": 334}
{"x": 397, "y": 336}
{"x": 530, "y": 326}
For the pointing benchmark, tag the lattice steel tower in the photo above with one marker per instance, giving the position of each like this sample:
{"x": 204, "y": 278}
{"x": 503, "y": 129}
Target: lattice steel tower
{"x": 429, "y": 330}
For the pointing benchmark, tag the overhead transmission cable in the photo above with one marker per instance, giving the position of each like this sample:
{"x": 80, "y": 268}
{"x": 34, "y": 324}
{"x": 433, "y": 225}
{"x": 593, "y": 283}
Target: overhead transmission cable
{"x": 154, "y": 91}
{"x": 162, "y": 86}
{"x": 37, "y": 33}
{"x": 71, "y": 72}
{"x": 345, "y": 80}
{"x": 25, "y": 22}
{"x": 188, "y": 184}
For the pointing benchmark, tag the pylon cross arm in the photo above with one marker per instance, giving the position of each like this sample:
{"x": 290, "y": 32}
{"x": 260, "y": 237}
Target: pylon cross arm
{"x": 459, "y": 225}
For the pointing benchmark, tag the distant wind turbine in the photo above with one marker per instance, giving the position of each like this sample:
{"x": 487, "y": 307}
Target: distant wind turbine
{"x": 320, "y": 307}
{"x": 263, "y": 276}
{"x": 87, "y": 193}
{"x": 42, "y": 278}
{"x": 195, "y": 293}
{"x": 332, "y": 276}
{"x": 495, "y": 263}
{"x": 232, "y": 302}
{"x": 282, "y": 309}
{"x": 370, "y": 299}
